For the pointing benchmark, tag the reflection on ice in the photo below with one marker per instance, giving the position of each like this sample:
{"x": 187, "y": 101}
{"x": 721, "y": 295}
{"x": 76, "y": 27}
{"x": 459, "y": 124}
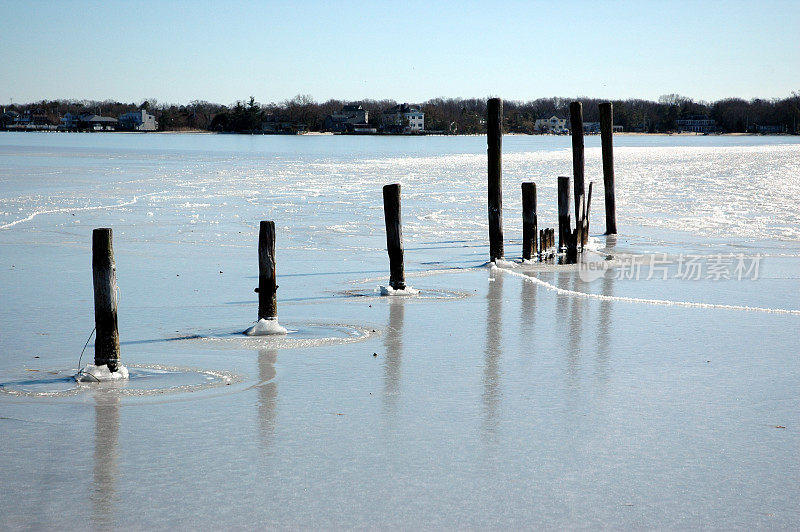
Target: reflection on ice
{"x": 393, "y": 342}
{"x": 267, "y": 395}
{"x": 604, "y": 322}
{"x": 492, "y": 393}
{"x": 106, "y": 442}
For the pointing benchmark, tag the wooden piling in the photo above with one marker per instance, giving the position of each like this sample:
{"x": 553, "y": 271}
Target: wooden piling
{"x": 394, "y": 236}
{"x": 579, "y": 183}
{"x": 606, "y": 141}
{"x": 104, "y": 274}
{"x": 580, "y": 228}
{"x": 542, "y": 241}
{"x": 267, "y": 286}
{"x": 529, "y": 220}
{"x": 586, "y": 216}
{"x": 494, "y": 138}
{"x": 571, "y": 245}
{"x": 563, "y": 211}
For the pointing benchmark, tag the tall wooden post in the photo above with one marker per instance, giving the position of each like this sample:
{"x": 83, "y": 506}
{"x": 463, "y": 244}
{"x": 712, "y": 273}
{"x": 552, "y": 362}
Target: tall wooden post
{"x": 104, "y": 275}
{"x": 494, "y": 138}
{"x": 563, "y": 211}
{"x": 579, "y": 184}
{"x": 267, "y": 285}
{"x": 394, "y": 236}
{"x": 606, "y": 134}
{"x": 529, "y": 220}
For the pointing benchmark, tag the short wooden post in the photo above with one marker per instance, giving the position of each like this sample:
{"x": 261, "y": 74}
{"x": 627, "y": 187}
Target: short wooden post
{"x": 542, "y": 240}
{"x": 563, "y": 211}
{"x": 606, "y": 141}
{"x": 267, "y": 285}
{"x": 394, "y": 236}
{"x": 572, "y": 246}
{"x": 579, "y": 183}
{"x": 494, "y": 138}
{"x": 104, "y": 274}
{"x": 529, "y": 220}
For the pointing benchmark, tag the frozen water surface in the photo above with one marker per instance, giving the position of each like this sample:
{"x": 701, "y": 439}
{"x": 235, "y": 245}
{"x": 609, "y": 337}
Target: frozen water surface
{"x": 546, "y": 398}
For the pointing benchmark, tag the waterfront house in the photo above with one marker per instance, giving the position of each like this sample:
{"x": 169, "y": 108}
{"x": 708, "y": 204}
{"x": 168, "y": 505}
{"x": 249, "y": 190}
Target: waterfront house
{"x": 69, "y": 121}
{"x": 275, "y": 125}
{"x": 9, "y": 118}
{"x": 768, "y": 128}
{"x": 139, "y": 120}
{"x": 554, "y": 125}
{"x": 403, "y": 118}
{"x": 696, "y": 124}
{"x": 88, "y": 122}
{"x": 350, "y": 115}
{"x": 361, "y": 129}
{"x": 591, "y": 127}
{"x": 31, "y": 119}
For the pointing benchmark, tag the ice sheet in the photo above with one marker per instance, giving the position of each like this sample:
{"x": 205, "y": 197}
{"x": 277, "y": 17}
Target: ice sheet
{"x": 540, "y": 402}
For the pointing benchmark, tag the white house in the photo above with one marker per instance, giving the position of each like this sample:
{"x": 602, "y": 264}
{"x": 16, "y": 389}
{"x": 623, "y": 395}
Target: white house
{"x": 553, "y": 124}
{"x": 403, "y": 118}
{"x": 139, "y": 120}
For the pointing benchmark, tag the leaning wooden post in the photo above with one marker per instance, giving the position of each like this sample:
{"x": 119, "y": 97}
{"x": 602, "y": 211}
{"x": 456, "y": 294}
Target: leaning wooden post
{"x": 394, "y": 236}
{"x": 104, "y": 274}
{"x": 586, "y": 216}
{"x": 576, "y": 125}
{"x": 606, "y": 134}
{"x": 529, "y": 220}
{"x": 267, "y": 286}
{"x": 563, "y": 211}
{"x": 580, "y": 227}
{"x": 494, "y": 138}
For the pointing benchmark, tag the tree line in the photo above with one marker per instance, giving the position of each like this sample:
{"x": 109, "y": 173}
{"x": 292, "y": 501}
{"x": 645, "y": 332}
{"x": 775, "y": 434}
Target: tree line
{"x": 446, "y": 115}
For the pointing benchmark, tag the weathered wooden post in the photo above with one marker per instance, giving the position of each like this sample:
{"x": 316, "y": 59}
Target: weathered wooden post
{"x": 586, "y": 216}
{"x": 579, "y": 183}
{"x": 563, "y": 211}
{"x": 104, "y": 274}
{"x": 529, "y": 220}
{"x": 494, "y": 138}
{"x": 580, "y": 214}
{"x": 542, "y": 241}
{"x": 394, "y": 236}
{"x": 267, "y": 285}
{"x": 606, "y": 135}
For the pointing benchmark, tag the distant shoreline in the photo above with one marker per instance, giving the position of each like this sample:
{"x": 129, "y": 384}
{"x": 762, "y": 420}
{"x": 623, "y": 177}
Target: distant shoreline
{"x": 330, "y": 134}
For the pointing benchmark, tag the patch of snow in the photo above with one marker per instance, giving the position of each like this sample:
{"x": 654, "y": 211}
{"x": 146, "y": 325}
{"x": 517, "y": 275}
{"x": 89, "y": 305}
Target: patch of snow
{"x": 407, "y": 291}
{"x": 92, "y": 373}
{"x": 501, "y": 263}
{"x": 265, "y": 327}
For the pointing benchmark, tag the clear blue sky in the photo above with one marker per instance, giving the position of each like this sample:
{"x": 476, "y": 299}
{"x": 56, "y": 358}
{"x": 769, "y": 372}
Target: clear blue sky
{"x": 176, "y": 52}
